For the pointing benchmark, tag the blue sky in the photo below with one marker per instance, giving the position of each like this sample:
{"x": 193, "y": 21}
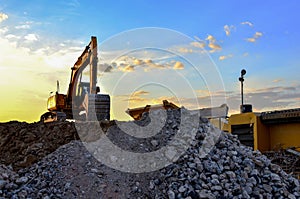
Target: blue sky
{"x": 44, "y": 38}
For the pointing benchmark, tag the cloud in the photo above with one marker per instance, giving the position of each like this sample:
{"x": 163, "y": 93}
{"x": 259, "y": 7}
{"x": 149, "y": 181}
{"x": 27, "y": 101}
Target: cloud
{"x": 190, "y": 48}
{"x": 178, "y": 66}
{"x": 269, "y": 98}
{"x": 139, "y": 93}
{"x": 31, "y": 37}
{"x": 159, "y": 100}
{"x": 223, "y": 57}
{"x": 198, "y": 44}
{"x": 24, "y": 26}
{"x": 247, "y": 23}
{"x": 3, "y": 30}
{"x": 255, "y": 37}
{"x": 264, "y": 99}
{"x": 148, "y": 61}
{"x": 202, "y": 92}
{"x": 73, "y": 3}
{"x": 277, "y": 80}
{"x": 228, "y": 29}
{"x": 142, "y": 98}
{"x": 258, "y": 34}
{"x": 127, "y": 68}
{"x": 212, "y": 44}
{"x": 11, "y": 36}
{"x": 185, "y": 50}
{"x": 138, "y": 61}
{"x": 137, "y": 96}
{"x": 3, "y": 16}
{"x": 130, "y": 64}
{"x": 214, "y": 47}
{"x": 245, "y": 54}
{"x": 273, "y": 89}
{"x": 272, "y": 98}
{"x": 251, "y": 40}
{"x": 105, "y": 67}
{"x": 135, "y": 99}
{"x": 159, "y": 66}
{"x": 211, "y": 38}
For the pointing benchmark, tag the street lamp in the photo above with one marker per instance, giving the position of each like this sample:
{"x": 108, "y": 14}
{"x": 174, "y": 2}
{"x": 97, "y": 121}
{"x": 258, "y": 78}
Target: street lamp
{"x": 244, "y": 108}
{"x": 241, "y": 79}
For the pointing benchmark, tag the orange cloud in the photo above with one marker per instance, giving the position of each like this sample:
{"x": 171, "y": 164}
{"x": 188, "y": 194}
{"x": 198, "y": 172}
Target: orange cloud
{"x": 127, "y": 68}
{"x": 211, "y": 39}
{"x": 178, "y": 66}
{"x": 255, "y": 37}
{"x": 228, "y": 29}
{"x": 258, "y": 34}
{"x": 277, "y": 80}
{"x": 198, "y": 44}
{"x": 148, "y": 61}
{"x": 212, "y": 44}
{"x": 139, "y": 93}
{"x": 185, "y": 50}
{"x": 136, "y": 99}
{"x": 223, "y": 57}
{"x": 138, "y": 62}
{"x": 214, "y": 47}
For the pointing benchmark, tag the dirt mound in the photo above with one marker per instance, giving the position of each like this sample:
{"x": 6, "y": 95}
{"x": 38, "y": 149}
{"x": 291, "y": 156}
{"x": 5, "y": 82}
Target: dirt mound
{"x": 22, "y": 144}
{"x": 228, "y": 170}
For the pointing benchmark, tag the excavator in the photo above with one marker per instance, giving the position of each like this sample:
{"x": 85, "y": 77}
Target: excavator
{"x": 82, "y": 101}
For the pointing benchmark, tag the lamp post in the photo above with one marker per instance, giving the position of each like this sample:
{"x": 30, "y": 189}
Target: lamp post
{"x": 241, "y": 79}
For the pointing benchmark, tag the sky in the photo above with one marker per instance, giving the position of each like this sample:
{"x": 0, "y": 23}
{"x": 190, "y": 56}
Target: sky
{"x": 188, "y": 52}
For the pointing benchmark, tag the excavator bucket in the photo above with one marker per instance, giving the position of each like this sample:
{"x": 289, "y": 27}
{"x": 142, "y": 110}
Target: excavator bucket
{"x": 137, "y": 113}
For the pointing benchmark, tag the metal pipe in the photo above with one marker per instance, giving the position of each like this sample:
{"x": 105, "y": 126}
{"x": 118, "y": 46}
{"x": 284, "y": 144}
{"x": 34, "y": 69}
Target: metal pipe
{"x": 242, "y": 93}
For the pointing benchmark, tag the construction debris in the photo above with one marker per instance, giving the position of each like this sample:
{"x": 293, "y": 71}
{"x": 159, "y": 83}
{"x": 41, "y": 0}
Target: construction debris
{"x": 288, "y": 159}
{"x": 22, "y": 144}
{"x": 229, "y": 170}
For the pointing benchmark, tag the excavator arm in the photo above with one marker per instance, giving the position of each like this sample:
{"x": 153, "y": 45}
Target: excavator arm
{"x": 88, "y": 57}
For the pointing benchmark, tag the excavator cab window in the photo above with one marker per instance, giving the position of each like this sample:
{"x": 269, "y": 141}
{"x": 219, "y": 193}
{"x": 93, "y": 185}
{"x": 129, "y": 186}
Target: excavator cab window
{"x": 82, "y": 89}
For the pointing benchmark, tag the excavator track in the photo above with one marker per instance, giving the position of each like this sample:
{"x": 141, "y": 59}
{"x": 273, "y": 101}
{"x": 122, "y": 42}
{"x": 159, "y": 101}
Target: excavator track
{"x": 53, "y": 116}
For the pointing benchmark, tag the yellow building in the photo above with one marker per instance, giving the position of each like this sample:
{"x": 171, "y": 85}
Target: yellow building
{"x": 268, "y": 130}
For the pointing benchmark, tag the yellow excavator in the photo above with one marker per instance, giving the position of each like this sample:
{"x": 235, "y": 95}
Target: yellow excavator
{"x": 82, "y": 101}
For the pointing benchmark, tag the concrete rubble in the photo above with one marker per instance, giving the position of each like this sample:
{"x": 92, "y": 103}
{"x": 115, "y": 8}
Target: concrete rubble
{"x": 50, "y": 161}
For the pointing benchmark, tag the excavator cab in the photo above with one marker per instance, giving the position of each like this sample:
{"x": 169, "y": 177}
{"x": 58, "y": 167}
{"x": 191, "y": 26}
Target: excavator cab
{"x": 81, "y": 90}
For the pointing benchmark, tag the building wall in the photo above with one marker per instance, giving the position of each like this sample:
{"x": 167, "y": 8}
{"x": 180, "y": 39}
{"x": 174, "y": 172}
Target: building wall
{"x": 284, "y": 135}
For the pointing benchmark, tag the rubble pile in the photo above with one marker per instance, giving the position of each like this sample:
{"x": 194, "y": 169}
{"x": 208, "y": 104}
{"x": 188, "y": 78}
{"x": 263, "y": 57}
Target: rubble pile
{"x": 228, "y": 170}
{"x": 22, "y": 144}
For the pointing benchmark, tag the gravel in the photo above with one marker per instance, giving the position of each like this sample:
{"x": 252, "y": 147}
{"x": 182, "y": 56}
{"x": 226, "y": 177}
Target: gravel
{"x": 69, "y": 170}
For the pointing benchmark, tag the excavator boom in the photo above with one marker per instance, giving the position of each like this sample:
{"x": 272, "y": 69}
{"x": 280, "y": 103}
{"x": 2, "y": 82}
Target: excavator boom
{"x": 88, "y": 57}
